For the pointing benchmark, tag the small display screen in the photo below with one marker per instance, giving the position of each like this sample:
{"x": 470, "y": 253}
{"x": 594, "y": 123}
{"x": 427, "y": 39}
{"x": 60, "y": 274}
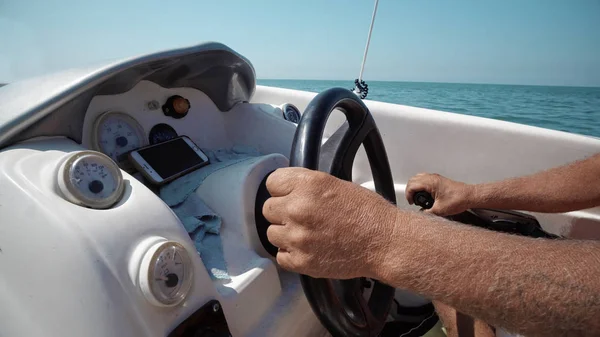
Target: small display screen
{"x": 171, "y": 157}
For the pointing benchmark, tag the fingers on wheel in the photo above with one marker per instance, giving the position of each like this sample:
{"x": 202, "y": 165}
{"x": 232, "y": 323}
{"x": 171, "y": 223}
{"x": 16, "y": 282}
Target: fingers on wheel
{"x": 284, "y": 259}
{"x": 281, "y": 182}
{"x": 277, "y": 236}
{"x": 274, "y": 210}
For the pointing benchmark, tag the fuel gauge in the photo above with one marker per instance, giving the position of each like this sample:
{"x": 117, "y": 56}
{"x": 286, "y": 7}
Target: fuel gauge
{"x": 166, "y": 274}
{"x": 90, "y": 179}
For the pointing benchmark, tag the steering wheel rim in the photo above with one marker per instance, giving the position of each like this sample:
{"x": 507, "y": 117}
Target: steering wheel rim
{"x": 339, "y": 304}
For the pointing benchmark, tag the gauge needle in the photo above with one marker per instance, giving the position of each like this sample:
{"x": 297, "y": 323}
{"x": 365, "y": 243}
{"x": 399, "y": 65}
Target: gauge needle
{"x": 162, "y": 278}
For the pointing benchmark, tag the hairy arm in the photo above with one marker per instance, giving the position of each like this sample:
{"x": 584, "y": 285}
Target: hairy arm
{"x": 535, "y": 287}
{"x": 562, "y": 189}
{"x": 330, "y": 228}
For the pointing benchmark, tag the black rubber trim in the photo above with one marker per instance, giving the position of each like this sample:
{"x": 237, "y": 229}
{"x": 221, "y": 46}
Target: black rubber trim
{"x": 261, "y": 222}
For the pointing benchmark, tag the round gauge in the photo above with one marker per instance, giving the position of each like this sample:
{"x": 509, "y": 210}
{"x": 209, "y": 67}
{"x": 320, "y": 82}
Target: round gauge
{"x": 166, "y": 274}
{"x": 161, "y": 133}
{"x": 116, "y": 134}
{"x": 90, "y": 179}
{"x": 291, "y": 113}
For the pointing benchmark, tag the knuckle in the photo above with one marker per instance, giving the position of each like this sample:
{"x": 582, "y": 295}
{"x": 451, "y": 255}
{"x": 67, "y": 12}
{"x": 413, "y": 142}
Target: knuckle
{"x": 303, "y": 174}
{"x": 320, "y": 176}
{"x": 301, "y": 262}
{"x": 312, "y": 177}
{"x": 299, "y": 209}
{"x": 316, "y": 179}
{"x": 412, "y": 185}
{"x": 296, "y": 239}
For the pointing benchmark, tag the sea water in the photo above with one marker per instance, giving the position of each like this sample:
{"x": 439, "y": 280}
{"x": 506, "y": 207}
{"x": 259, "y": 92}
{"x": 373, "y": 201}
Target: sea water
{"x": 571, "y": 109}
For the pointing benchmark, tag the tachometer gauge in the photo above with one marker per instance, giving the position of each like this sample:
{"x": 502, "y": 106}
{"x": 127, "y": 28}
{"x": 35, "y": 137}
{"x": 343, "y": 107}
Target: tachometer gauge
{"x": 116, "y": 134}
{"x": 90, "y": 179}
{"x": 166, "y": 274}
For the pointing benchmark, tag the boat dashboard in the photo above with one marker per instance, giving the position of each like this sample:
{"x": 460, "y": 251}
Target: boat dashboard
{"x": 148, "y": 259}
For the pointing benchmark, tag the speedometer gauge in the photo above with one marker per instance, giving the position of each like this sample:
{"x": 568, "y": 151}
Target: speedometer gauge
{"x": 116, "y": 134}
{"x": 90, "y": 179}
{"x": 166, "y": 274}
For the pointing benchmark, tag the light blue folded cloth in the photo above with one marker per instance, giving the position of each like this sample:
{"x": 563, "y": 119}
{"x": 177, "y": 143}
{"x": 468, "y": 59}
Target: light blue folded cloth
{"x": 201, "y": 222}
{"x": 175, "y": 192}
{"x": 204, "y": 228}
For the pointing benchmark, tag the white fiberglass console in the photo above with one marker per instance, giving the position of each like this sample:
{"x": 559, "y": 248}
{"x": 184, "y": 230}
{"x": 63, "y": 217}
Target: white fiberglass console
{"x": 131, "y": 269}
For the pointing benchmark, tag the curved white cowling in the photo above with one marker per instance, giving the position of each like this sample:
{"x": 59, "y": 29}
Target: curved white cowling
{"x": 66, "y": 267}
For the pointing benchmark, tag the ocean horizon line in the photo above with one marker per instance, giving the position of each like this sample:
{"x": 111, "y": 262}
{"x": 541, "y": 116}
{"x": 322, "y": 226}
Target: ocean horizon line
{"x": 433, "y": 82}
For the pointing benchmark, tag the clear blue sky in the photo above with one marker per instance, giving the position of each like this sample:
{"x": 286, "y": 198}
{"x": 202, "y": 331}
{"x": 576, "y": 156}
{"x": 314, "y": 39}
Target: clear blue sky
{"x": 484, "y": 41}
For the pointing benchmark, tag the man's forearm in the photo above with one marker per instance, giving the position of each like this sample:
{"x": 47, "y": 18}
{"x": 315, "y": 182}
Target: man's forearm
{"x": 562, "y": 189}
{"x": 535, "y": 287}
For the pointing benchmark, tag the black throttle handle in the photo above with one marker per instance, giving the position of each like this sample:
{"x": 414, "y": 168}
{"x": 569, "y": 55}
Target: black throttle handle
{"x": 423, "y": 199}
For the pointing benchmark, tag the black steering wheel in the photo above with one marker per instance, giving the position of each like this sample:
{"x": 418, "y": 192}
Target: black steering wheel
{"x": 339, "y": 304}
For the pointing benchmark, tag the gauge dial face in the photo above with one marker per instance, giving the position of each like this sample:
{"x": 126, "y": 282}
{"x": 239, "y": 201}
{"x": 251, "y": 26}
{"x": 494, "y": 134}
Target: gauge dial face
{"x": 291, "y": 113}
{"x": 161, "y": 133}
{"x": 169, "y": 274}
{"x": 91, "y": 179}
{"x": 116, "y": 134}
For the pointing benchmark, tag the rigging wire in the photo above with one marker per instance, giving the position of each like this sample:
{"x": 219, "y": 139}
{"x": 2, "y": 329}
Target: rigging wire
{"x": 360, "y": 87}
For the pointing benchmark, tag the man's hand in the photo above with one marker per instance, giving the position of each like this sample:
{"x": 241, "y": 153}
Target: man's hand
{"x": 451, "y": 197}
{"x": 325, "y": 226}
{"x": 560, "y": 189}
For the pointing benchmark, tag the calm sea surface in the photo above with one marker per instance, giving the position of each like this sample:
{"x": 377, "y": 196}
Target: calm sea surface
{"x": 571, "y": 109}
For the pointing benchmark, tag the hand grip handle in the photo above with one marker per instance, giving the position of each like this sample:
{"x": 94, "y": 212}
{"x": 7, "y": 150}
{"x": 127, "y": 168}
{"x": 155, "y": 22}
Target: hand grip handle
{"x": 423, "y": 199}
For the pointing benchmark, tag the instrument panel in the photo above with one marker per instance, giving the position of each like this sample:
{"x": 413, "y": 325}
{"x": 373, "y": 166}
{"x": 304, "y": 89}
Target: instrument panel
{"x": 116, "y": 134}
{"x": 149, "y": 114}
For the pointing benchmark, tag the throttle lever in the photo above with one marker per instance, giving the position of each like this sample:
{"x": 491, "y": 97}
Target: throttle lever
{"x": 503, "y": 224}
{"x": 423, "y": 199}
